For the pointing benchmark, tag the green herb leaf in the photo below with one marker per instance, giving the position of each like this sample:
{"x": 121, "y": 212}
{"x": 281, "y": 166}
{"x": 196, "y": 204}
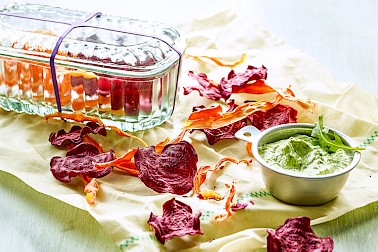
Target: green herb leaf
{"x": 329, "y": 140}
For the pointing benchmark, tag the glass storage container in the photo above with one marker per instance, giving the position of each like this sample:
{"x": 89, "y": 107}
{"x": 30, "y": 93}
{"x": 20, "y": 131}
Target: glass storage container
{"x": 122, "y": 70}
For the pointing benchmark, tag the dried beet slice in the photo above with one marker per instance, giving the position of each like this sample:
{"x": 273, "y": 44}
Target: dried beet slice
{"x": 177, "y": 220}
{"x": 214, "y": 91}
{"x": 280, "y": 114}
{"x": 171, "y": 171}
{"x": 297, "y": 235}
{"x": 80, "y": 160}
{"x": 204, "y": 86}
{"x": 240, "y": 79}
{"x": 75, "y": 136}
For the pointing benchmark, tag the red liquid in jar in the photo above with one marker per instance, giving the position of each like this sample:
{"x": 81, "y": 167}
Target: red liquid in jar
{"x": 117, "y": 93}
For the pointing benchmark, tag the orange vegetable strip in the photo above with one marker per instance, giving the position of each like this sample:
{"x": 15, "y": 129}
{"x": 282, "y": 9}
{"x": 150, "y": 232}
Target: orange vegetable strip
{"x": 218, "y": 166}
{"x": 201, "y": 174}
{"x": 219, "y": 62}
{"x": 212, "y": 112}
{"x": 288, "y": 94}
{"x": 228, "y": 203}
{"x": 200, "y": 177}
{"x": 179, "y": 137}
{"x": 242, "y": 111}
{"x": 78, "y": 117}
{"x": 254, "y": 87}
{"x": 130, "y": 168}
{"x": 160, "y": 146}
{"x": 123, "y": 133}
{"x": 123, "y": 163}
{"x": 248, "y": 147}
{"x": 91, "y": 189}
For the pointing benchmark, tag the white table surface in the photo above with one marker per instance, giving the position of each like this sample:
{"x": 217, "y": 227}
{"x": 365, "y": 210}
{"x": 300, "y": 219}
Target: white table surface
{"x": 342, "y": 35}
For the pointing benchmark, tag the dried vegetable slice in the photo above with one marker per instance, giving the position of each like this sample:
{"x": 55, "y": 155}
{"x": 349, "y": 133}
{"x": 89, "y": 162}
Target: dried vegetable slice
{"x": 171, "y": 171}
{"x": 201, "y": 174}
{"x": 76, "y": 135}
{"x": 228, "y": 203}
{"x": 124, "y": 163}
{"x": 297, "y": 235}
{"x": 213, "y": 117}
{"x": 79, "y": 117}
{"x": 280, "y": 114}
{"x": 91, "y": 189}
{"x": 215, "y": 91}
{"x": 79, "y": 160}
{"x": 225, "y": 132}
{"x": 177, "y": 220}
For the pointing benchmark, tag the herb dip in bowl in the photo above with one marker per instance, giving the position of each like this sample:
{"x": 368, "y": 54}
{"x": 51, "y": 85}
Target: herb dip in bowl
{"x": 297, "y": 170}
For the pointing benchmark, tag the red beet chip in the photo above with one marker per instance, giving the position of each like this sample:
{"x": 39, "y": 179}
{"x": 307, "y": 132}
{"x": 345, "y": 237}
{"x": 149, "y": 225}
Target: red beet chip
{"x": 172, "y": 171}
{"x": 296, "y": 235}
{"x": 177, "y": 220}
{"x": 280, "y": 114}
{"x": 79, "y": 160}
{"x": 75, "y": 135}
{"x": 215, "y": 91}
{"x": 239, "y": 79}
{"x": 204, "y": 86}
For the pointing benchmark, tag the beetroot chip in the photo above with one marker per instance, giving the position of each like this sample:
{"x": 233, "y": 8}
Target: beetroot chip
{"x": 297, "y": 235}
{"x": 239, "y": 79}
{"x": 204, "y": 86}
{"x": 177, "y": 220}
{"x": 280, "y": 114}
{"x": 172, "y": 171}
{"x": 75, "y": 135}
{"x": 215, "y": 91}
{"x": 225, "y": 132}
{"x": 79, "y": 160}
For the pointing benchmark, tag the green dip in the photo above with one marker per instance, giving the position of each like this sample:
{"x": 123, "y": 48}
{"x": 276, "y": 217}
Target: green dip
{"x": 302, "y": 154}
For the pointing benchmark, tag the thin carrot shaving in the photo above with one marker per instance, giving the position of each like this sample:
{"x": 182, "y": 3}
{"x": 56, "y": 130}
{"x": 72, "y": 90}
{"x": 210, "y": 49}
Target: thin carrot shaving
{"x": 219, "y": 165}
{"x": 228, "y": 203}
{"x": 214, "y": 112}
{"x": 218, "y": 61}
{"x": 210, "y": 194}
{"x": 124, "y": 163}
{"x": 213, "y": 117}
{"x": 77, "y": 117}
{"x": 248, "y": 147}
{"x": 80, "y": 117}
{"x": 90, "y": 140}
{"x": 123, "y": 133}
{"x": 213, "y": 122}
{"x": 160, "y": 146}
{"x": 289, "y": 95}
{"x": 201, "y": 174}
{"x": 91, "y": 189}
{"x": 254, "y": 87}
{"x": 200, "y": 177}
{"x": 179, "y": 137}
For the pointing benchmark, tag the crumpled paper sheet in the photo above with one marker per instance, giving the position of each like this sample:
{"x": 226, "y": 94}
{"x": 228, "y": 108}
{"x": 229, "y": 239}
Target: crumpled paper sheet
{"x": 124, "y": 203}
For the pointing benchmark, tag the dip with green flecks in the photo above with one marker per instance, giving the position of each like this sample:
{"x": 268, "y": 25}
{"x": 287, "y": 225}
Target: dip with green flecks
{"x": 302, "y": 154}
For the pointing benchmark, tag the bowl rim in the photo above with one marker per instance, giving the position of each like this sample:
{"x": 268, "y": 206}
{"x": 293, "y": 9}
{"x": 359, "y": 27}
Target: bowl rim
{"x": 355, "y": 160}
